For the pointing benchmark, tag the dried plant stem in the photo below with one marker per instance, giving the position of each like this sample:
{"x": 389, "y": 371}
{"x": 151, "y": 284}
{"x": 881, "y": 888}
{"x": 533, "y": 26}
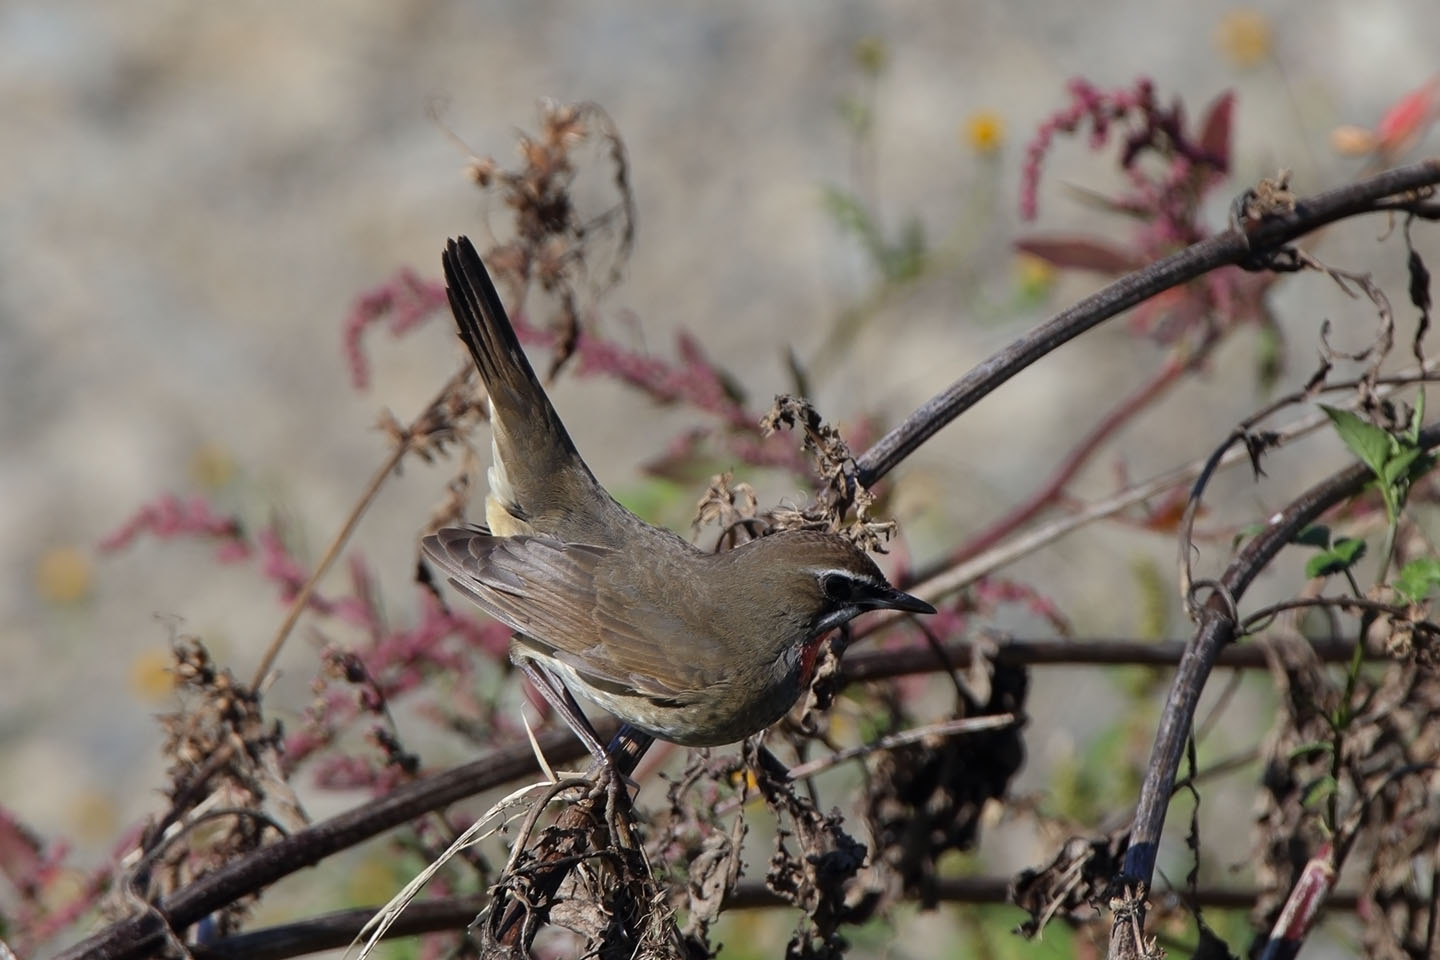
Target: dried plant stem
{"x": 948, "y": 728}
{"x": 1219, "y": 621}
{"x": 132, "y": 937}
{"x": 960, "y": 573}
{"x": 1229, "y": 248}
{"x": 335, "y": 930}
{"x": 347, "y": 530}
{"x": 302, "y": 598}
{"x": 137, "y": 936}
{"x": 867, "y": 665}
{"x": 1139, "y": 401}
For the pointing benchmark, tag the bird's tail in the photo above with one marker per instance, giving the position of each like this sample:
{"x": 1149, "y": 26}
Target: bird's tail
{"x": 521, "y": 478}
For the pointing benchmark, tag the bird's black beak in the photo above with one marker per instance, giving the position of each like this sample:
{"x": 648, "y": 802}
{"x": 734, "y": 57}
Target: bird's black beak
{"x": 895, "y": 600}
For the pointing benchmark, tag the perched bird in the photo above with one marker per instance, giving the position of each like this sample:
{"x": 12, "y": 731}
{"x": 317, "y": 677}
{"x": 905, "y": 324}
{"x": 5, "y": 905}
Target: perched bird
{"x": 697, "y": 648}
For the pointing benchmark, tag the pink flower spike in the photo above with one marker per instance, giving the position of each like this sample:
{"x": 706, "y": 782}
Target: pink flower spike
{"x": 406, "y": 298}
{"x": 1407, "y": 120}
{"x": 170, "y": 518}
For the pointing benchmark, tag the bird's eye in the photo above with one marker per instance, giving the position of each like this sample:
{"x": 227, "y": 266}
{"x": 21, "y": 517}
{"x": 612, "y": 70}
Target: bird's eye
{"x": 838, "y": 588}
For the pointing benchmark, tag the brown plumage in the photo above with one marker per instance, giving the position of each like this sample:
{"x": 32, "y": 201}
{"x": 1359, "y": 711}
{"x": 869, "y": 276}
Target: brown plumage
{"x": 691, "y": 647}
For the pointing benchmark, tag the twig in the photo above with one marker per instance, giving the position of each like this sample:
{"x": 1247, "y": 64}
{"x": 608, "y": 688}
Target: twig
{"x": 949, "y": 728}
{"x": 1224, "y": 249}
{"x": 862, "y": 665}
{"x": 563, "y": 847}
{"x": 386, "y": 916}
{"x": 335, "y": 930}
{"x": 1217, "y": 628}
{"x": 936, "y": 584}
{"x": 1139, "y": 401}
{"x": 1352, "y": 604}
{"x": 136, "y": 937}
{"x": 133, "y": 936}
{"x": 372, "y": 490}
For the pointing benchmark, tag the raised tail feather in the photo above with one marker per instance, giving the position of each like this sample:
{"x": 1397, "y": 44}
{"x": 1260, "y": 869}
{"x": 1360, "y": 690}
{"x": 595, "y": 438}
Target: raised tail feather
{"x": 486, "y": 330}
{"x": 534, "y": 457}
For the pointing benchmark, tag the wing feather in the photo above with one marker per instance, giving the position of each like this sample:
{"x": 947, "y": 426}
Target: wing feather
{"x": 570, "y": 601}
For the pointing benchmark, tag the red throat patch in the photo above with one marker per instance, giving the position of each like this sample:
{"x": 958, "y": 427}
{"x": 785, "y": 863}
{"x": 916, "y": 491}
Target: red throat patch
{"x": 808, "y": 654}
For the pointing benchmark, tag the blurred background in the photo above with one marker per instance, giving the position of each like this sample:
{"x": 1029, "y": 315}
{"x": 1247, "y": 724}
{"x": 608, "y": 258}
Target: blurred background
{"x": 196, "y": 195}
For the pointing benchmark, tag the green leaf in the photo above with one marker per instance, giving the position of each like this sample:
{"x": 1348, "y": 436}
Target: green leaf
{"x": 1417, "y": 578}
{"x": 1416, "y": 416}
{"x": 1367, "y": 441}
{"x": 849, "y": 213}
{"x": 1337, "y": 559}
{"x": 1316, "y": 535}
{"x": 1318, "y": 791}
{"x": 1397, "y": 468}
{"x": 1314, "y": 746}
{"x": 1246, "y": 532}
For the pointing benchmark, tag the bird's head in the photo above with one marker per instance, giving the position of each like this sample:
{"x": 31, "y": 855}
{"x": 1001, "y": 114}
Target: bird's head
{"x": 821, "y": 580}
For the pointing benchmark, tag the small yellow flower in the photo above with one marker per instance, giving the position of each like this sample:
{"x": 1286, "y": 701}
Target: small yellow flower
{"x": 1244, "y": 37}
{"x": 1034, "y": 277}
{"x": 985, "y": 131}
{"x": 211, "y": 467}
{"x": 64, "y": 575}
{"x": 745, "y": 778}
{"x": 150, "y": 676}
{"x": 871, "y": 55}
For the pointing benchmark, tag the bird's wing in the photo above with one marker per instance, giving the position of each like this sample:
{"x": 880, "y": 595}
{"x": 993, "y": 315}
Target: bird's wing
{"x": 564, "y": 598}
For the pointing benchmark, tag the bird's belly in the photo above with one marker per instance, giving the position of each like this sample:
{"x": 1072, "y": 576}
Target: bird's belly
{"x": 724, "y": 713}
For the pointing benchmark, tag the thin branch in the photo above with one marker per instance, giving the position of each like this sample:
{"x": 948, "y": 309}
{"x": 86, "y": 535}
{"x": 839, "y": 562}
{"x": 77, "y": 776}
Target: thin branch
{"x": 949, "y": 728}
{"x": 335, "y": 931}
{"x": 862, "y": 665}
{"x": 1217, "y": 629}
{"x": 1140, "y": 400}
{"x": 936, "y": 584}
{"x": 332, "y": 553}
{"x": 1349, "y": 604}
{"x": 132, "y": 937}
{"x": 137, "y": 937}
{"x": 1230, "y": 248}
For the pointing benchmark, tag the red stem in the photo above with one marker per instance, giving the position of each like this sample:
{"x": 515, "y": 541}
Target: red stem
{"x": 1078, "y": 456}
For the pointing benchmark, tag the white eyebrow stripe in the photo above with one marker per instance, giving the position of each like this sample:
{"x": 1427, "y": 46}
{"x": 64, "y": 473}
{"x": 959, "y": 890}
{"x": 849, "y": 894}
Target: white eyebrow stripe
{"x": 822, "y": 572}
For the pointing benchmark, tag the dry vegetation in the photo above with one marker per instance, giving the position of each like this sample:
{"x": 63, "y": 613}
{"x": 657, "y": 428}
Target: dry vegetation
{"x": 1348, "y": 779}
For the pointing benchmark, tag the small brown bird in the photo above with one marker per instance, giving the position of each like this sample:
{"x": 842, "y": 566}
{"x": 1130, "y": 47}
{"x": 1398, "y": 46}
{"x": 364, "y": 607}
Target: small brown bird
{"x": 692, "y": 647}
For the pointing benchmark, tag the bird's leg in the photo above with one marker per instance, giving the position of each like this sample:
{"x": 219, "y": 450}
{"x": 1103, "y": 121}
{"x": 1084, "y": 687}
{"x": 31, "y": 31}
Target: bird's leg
{"x": 563, "y": 701}
{"x": 560, "y": 698}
